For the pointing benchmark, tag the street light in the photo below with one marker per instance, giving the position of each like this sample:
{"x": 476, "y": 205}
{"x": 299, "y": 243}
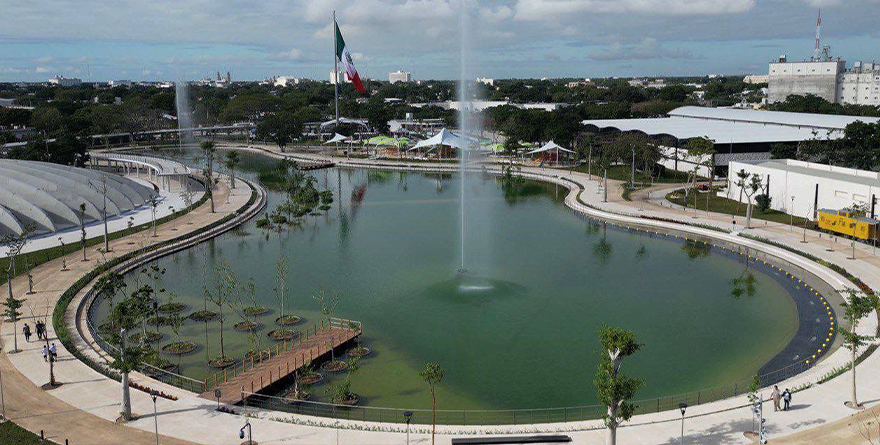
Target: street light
{"x": 155, "y": 394}
{"x": 407, "y": 415}
{"x": 791, "y": 213}
{"x": 682, "y": 406}
{"x": 241, "y": 432}
{"x": 2, "y": 402}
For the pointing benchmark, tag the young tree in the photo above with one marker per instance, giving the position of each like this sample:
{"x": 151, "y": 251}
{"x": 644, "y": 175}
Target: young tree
{"x": 433, "y": 375}
{"x": 232, "y": 159}
{"x": 209, "y": 148}
{"x": 225, "y": 282}
{"x": 124, "y": 316}
{"x": 154, "y": 205}
{"x": 82, "y": 228}
{"x": 44, "y": 318}
{"x": 701, "y": 151}
{"x": 175, "y": 321}
{"x": 12, "y": 313}
{"x": 753, "y": 188}
{"x": 14, "y": 245}
{"x": 614, "y": 388}
{"x": 741, "y": 177}
{"x": 281, "y": 288}
{"x": 857, "y": 306}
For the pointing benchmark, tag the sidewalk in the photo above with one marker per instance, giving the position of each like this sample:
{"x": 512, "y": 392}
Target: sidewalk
{"x": 191, "y": 418}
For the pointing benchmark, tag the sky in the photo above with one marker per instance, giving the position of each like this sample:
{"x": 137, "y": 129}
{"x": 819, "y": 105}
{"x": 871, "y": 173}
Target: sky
{"x": 102, "y": 40}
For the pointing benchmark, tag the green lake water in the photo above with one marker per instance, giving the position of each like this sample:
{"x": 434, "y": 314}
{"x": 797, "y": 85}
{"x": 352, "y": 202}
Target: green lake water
{"x": 518, "y": 331}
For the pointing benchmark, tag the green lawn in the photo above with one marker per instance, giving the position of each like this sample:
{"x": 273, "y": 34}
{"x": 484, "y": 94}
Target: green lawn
{"x": 623, "y": 173}
{"x": 719, "y": 204}
{"x": 12, "y": 434}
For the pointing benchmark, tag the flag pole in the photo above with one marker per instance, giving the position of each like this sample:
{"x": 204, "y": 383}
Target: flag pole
{"x": 335, "y": 75}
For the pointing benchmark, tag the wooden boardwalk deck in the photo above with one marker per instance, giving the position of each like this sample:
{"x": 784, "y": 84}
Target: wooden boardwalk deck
{"x": 255, "y": 374}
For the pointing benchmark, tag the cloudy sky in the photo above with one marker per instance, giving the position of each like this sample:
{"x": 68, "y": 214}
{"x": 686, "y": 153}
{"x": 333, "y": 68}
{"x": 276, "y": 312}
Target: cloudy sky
{"x": 189, "y": 39}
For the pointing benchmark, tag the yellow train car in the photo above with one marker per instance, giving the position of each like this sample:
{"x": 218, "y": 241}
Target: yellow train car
{"x": 843, "y": 222}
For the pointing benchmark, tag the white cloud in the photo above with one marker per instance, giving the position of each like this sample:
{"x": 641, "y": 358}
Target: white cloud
{"x": 649, "y": 48}
{"x": 548, "y": 9}
{"x": 43, "y": 69}
{"x": 293, "y": 54}
{"x": 498, "y": 14}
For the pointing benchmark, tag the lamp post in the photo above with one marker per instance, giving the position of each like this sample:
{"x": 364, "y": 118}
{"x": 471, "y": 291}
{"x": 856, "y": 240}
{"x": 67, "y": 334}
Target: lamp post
{"x": 156, "y": 314}
{"x": 2, "y": 402}
{"x": 407, "y": 415}
{"x": 791, "y": 214}
{"x": 247, "y": 425}
{"x": 155, "y": 394}
{"x": 682, "y": 406}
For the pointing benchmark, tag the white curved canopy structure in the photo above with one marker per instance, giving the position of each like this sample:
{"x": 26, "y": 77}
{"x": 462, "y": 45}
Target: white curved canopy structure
{"x": 48, "y": 196}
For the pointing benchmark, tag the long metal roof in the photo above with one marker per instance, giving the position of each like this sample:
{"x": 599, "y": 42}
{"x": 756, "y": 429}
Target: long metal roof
{"x": 824, "y": 121}
{"x": 48, "y": 196}
{"x": 736, "y": 126}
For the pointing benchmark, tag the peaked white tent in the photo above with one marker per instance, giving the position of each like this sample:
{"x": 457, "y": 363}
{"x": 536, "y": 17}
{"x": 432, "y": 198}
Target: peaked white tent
{"x": 336, "y": 138}
{"x": 550, "y": 146}
{"x": 444, "y": 137}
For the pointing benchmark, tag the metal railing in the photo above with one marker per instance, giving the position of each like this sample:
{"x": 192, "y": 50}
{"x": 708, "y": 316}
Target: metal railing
{"x": 509, "y": 416}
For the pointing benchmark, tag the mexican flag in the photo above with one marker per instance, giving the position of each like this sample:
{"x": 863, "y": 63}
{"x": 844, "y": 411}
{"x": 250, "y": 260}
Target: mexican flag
{"x": 345, "y": 57}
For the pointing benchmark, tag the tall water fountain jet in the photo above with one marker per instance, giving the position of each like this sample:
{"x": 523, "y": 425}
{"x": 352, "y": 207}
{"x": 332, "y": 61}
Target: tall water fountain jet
{"x": 468, "y": 127}
{"x": 184, "y": 113}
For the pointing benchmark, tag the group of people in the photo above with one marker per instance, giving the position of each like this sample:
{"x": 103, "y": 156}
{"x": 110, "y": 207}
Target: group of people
{"x": 50, "y": 353}
{"x": 784, "y": 397}
{"x": 40, "y": 328}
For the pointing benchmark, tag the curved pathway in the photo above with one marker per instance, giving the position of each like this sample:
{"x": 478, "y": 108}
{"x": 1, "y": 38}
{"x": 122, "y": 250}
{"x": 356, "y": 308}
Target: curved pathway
{"x": 191, "y": 418}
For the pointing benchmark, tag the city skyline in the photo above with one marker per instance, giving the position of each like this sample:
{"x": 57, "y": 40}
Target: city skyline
{"x": 523, "y": 38}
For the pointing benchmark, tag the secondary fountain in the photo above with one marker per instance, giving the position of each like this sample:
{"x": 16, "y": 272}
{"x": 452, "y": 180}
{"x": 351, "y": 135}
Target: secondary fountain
{"x": 184, "y": 113}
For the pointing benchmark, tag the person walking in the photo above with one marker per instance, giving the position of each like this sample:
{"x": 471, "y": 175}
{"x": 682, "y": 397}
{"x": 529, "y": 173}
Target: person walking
{"x": 27, "y": 332}
{"x": 45, "y": 354}
{"x": 786, "y": 398}
{"x": 777, "y": 397}
{"x": 39, "y": 330}
{"x": 53, "y": 353}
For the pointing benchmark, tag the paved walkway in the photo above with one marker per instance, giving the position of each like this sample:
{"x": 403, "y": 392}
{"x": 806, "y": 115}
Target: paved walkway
{"x": 192, "y": 418}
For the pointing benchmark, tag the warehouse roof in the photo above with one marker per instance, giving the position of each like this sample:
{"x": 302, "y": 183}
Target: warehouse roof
{"x": 736, "y": 126}
{"x": 811, "y": 169}
{"x": 823, "y": 121}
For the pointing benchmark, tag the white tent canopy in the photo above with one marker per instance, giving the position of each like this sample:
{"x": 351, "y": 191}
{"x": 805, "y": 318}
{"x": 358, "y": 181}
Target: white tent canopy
{"x": 550, "y": 146}
{"x": 444, "y": 137}
{"x": 337, "y": 138}
{"x": 345, "y": 121}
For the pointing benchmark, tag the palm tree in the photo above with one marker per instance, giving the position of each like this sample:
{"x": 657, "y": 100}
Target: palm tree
{"x": 433, "y": 375}
{"x": 231, "y": 161}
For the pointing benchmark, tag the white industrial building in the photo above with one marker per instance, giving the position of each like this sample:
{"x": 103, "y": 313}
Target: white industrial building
{"x": 738, "y": 134}
{"x": 65, "y": 81}
{"x": 399, "y": 76}
{"x": 800, "y": 188}
{"x": 827, "y": 78}
{"x": 283, "y": 81}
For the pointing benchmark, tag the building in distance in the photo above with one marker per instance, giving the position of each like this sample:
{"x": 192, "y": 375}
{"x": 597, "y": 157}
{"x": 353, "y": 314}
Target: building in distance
{"x": 399, "y": 76}
{"x": 65, "y": 81}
